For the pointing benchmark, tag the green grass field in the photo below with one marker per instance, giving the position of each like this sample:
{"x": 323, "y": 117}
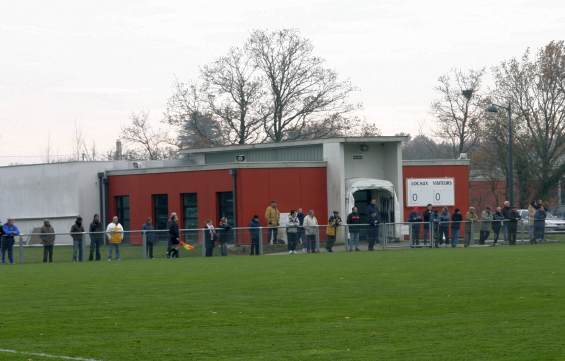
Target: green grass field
{"x": 503, "y": 303}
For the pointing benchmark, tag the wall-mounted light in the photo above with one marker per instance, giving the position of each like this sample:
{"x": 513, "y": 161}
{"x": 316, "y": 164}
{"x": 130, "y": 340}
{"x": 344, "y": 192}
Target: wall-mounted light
{"x": 240, "y": 158}
{"x": 364, "y": 147}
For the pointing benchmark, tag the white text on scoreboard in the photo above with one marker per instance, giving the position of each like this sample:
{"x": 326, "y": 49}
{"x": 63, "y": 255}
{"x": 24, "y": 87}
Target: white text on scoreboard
{"x": 435, "y": 191}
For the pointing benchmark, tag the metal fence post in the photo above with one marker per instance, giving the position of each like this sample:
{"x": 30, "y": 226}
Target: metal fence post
{"x": 83, "y": 246}
{"x": 384, "y": 238}
{"x": 204, "y": 243}
{"x": 317, "y": 239}
{"x": 144, "y": 243}
{"x": 261, "y": 240}
{"x": 21, "y": 249}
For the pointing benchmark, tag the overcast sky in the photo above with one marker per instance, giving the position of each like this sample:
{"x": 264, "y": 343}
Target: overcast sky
{"x": 95, "y": 62}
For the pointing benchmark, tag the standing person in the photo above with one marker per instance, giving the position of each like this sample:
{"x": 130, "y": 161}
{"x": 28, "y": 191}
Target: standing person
{"x": 507, "y": 213}
{"x": 497, "y": 220}
{"x": 254, "y": 232}
{"x": 209, "y": 237}
{"x": 9, "y": 230}
{"x": 48, "y": 240}
{"x": 539, "y": 224}
{"x": 273, "y": 218}
{"x": 300, "y": 236}
{"x": 1, "y": 238}
{"x": 353, "y": 223}
{"x": 114, "y": 235}
{"x": 96, "y": 236}
{"x": 443, "y": 233}
{"x": 486, "y": 223}
{"x": 513, "y": 225}
{"x": 435, "y": 227}
{"x": 373, "y": 229}
{"x": 532, "y": 208}
{"x": 427, "y": 219}
{"x": 148, "y": 231}
{"x": 471, "y": 220}
{"x": 224, "y": 235}
{"x": 415, "y": 219}
{"x": 456, "y": 220}
{"x": 372, "y": 207}
{"x": 174, "y": 236}
{"x": 77, "y": 233}
{"x": 331, "y": 231}
{"x": 310, "y": 230}
{"x": 292, "y": 231}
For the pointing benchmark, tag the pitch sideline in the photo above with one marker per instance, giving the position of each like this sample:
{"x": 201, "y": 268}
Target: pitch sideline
{"x": 45, "y": 355}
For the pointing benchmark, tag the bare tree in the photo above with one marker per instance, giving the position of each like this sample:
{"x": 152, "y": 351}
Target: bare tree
{"x": 234, "y": 93}
{"x": 459, "y": 109}
{"x": 187, "y": 110}
{"x": 424, "y": 147}
{"x": 151, "y": 143}
{"x": 533, "y": 86}
{"x": 301, "y": 91}
{"x": 80, "y": 150}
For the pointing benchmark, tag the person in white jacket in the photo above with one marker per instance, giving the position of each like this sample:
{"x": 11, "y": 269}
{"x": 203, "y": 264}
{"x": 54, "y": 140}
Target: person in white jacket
{"x": 115, "y": 235}
{"x": 310, "y": 230}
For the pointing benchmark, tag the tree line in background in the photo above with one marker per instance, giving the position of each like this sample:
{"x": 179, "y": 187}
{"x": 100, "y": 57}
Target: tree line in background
{"x": 533, "y": 87}
{"x": 274, "y": 89}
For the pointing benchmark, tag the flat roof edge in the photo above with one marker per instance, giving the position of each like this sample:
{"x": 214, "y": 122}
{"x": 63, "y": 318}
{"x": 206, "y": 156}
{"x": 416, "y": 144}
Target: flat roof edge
{"x": 227, "y": 148}
{"x": 429, "y": 162}
{"x": 223, "y": 166}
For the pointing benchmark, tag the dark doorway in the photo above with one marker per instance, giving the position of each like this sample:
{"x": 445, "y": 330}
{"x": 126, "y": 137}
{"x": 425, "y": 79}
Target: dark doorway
{"x": 160, "y": 214}
{"x": 225, "y": 206}
{"x": 122, "y": 210}
{"x": 190, "y": 216}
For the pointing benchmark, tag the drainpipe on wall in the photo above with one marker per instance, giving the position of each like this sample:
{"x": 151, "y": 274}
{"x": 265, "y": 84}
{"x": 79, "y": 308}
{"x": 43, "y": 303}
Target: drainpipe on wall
{"x": 103, "y": 191}
{"x": 233, "y": 173}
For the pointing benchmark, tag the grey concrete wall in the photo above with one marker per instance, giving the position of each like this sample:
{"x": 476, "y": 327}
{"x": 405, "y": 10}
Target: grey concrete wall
{"x": 57, "y": 191}
{"x": 335, "y": 172}
{"x": 372, "y": 164}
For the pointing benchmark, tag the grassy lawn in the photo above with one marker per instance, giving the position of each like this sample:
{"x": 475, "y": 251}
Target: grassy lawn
{"x": 502, "y": 303}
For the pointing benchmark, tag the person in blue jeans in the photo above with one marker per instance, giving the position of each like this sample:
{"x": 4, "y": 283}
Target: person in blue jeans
{"x": 456, "y": 220}
{"x": 77, "y": 233}
{"x": 353, "y": 223}
{"x": 9, "y": 230}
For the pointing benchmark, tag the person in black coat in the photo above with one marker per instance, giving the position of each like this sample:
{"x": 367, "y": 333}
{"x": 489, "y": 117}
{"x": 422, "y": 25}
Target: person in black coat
{"x": 427, "y": 218}
{"x": 497, "y": 220}
{"x": 254, "y": 233}
{"x": 373, "y": 230}
{"x": 96, "y": 235}
{"x": 209, "y": 238}
{"x": 225, "y": 235}
{"x": 415, "y": 219}
{"x": 507, "y": 213}
{"x": 456, "y": 220}
{"x": 513, "y": 226}
{"x": 174, "y": 237}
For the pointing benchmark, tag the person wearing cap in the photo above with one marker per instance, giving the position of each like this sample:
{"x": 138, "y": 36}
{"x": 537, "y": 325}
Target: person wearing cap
{"x": 254, "y": 233}
{"x": 96, "y": 235}
{"x": 9, "y": 230}
{"x": 77, "y": 233}
{"x": 47, "y": 237}
{"x": 331, "y": 231}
